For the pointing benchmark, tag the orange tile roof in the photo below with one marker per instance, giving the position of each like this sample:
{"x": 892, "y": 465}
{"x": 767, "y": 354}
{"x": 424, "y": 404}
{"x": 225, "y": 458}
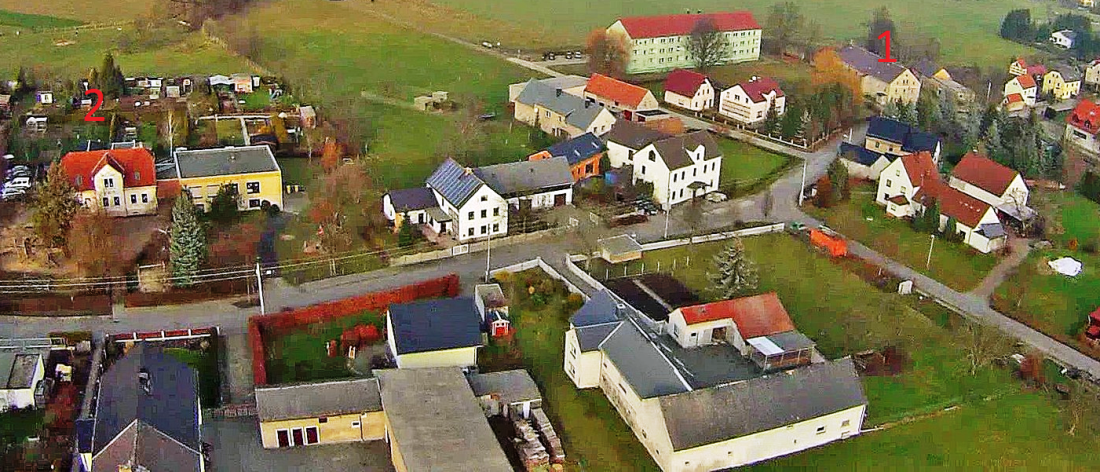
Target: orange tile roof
{"x": 920, "y": 168}
{"x": 985, "y": 174}
{"x": 135, "y": 165}
{"x": 1085, "y": 117}
{"x": 954, "y": 203}
{"x": 616, "y": 90}
{"x": 758, "y": 315}
{"x": 1025, "y": 81}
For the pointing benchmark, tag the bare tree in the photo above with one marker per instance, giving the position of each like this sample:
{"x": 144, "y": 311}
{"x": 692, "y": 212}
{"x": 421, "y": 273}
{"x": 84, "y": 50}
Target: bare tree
{"x": 707, "y": 46}
{"x": 607, "y": 53}
{"x": 93, "y": 243}
{"x": 982, "y": 344}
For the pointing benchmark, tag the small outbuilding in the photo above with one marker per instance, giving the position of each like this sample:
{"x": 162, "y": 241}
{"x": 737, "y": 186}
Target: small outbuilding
{"x": 511, "y": 393}
{"x": 619, "y": 249}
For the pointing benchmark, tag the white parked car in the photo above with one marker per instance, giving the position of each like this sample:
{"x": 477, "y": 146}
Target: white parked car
{"x": 12, "y": 193}
{"x": 19, "y": 182}
{"x": 716, "y": 197}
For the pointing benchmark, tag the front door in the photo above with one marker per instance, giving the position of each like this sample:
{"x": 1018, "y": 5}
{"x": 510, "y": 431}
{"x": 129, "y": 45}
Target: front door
{"x": 298, "y": 438}
{"x": 559, "y": 200}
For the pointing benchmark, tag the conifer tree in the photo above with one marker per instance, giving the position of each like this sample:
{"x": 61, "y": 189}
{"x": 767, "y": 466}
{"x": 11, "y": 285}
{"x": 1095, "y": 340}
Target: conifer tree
{"x": 54, "y": 207}
{"x": 187, "y": 245}
{"x": 735, "y": 274}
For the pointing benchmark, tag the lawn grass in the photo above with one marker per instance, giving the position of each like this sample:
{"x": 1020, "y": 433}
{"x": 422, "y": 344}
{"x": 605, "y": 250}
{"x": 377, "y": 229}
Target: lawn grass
{"x": 968, "y": 30}
{"x": 32, "y": 21}
{"x": 593, "y": 434}
{"x": 296, "y": 170}
{"x": 84, "y": 10}
{"x": 18, "y": 425}
{"x": 229, "y": 132}
{"x": 255, "y": 101}
{"x": 954, "y": 264}
{"x": 748, "y": 166}
{"x": 1076, "y": 216}
{"x": 206, "y": 363}
{"x": 301, "y": 354}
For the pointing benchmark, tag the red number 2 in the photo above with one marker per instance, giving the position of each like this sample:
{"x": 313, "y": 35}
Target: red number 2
{"x": 885, "y": 36}
{"x": 98, "y": 103}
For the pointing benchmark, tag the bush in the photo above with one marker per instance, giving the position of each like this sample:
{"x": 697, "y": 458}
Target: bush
{"x": 1091, "y": 246}
{"x": 573, "y": 302}
{"x": 1072, "y": 246}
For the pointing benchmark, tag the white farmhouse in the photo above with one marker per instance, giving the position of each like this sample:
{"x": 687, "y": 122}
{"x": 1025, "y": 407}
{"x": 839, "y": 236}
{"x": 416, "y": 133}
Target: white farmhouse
{"x": 544, "y": 183}
{"x": 990, "y": 182}
{"x": 900, "y": 180}
{"x": 748, "y": 102}
{"x": 679, "y": 167}
{"x": 689, "y": 90}
{"x": 473, "y": 208}
{"x": 1064, "y": 38}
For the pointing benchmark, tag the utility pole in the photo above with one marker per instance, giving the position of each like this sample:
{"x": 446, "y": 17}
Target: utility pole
{"x": 488, "y": 252}
{"x": 260, "y": 286}
{"x": 928, "y": 263}
{"x": 802, "y": 189}
{"x": 668, "y": 203}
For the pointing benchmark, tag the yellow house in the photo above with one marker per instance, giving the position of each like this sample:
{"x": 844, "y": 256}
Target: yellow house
{"x": 1062, "y": 82}
{"x": 251, "y": 170}
{"x": 320, "y": 413}
{"x": 883, "y": 81}
{"x": 123, "y": 182}
{"x": 559, "y": 113}
{"x": 434, "y": 333}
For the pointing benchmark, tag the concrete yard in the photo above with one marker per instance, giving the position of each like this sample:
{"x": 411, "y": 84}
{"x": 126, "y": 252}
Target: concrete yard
{"x": 235, "y": 446}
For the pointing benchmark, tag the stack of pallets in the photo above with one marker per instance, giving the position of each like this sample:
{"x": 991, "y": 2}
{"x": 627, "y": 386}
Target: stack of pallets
{"x": 549, "y": 436}
{"x": 531, "y": 451}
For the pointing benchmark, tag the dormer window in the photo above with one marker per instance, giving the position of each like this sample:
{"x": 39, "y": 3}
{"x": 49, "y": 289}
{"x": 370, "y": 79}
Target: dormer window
{"x": 137, "y": 176}
{"x": 79, "y": 180}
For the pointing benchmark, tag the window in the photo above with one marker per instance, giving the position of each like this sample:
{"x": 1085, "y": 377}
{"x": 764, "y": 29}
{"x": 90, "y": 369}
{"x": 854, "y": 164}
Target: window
{"x": 484, "y": 198}
{"x": 118, "y": 201}
{"x": 889, "y": 183}
{"x": 253, "y": 202}
{"x": 109, "y": 182}
{"x": 470, "y": 215}
{"x": 200, "y": 207}
{"x": 484, "y": 229}
{"x": 674, "y": 176}
{"x": 145, "y": 198}
{"x": 643, "y": 170}
{"x": 903, "y": 190}
{"x": 233, "y": 188}
{"x": 106, "y": 202}
{"x": 548, "y": 113}
{"x": 322, "y": 420}
{"x": 496, "y": 227}
{"x": 470, "y": 232}
{"x": 354, "y": 424}
{"x": 137, "y": 176}
{"x": 820, "y": 430}
{"x": 312, "y": 437}
{"x": 133, "y": 198}
{"x": 484, "y": 213}
{"x": 283, "y": 437}
{"x": 845, "y": 423}
{"x": 496, "y": 211}
{"x": 588, "y": 168}
{"x": 652, "y": 155}
{"x": 252, "y": 187}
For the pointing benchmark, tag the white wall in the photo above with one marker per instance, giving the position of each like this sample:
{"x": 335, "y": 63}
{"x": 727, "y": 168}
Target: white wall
{"x": 736, "y": 104}
{"x": 702, "y": 100}
{"x": 544, "y": 199}
{"x": 463, "y": 222}
{"x": 698, "y": 334}
{"x": 1082, "y": 139}
{"x": 1016, "y": 192}
{"x": 672, "y": 186}
{"x": 583, "y": 368}
{"x": 461, "y": 357}
{"x": 618, "y": 155}
{"x": 893, "y": 181}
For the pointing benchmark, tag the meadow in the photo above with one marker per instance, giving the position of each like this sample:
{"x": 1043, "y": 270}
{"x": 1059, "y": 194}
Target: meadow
{"x": 83, "y": 10}
{"x": 32, "y": 21}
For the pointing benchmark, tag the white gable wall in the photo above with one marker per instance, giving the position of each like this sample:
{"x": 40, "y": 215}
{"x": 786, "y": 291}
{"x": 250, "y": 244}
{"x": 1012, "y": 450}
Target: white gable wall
{"x": 893, "y": 181}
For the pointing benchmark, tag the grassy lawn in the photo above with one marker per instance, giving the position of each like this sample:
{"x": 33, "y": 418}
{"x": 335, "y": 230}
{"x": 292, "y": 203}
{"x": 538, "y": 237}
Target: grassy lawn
{"x": 25, "y": 20}
{"x": 255, "y": 101}
{"x": 301, "y": 355}
{"x": 954, "y": 264}
{"x": 229, "y": 132}
{"x": 105, "y": 11}
{"x": 18, "y": 425}
{"x": 748, "y": 166}
{"x": 206, "y": 363}
{"x": 967, "y": 30}
{"x": 296, "y": 170}
{"x": 594, "y": 436}
{"x": 1075, "y": 215}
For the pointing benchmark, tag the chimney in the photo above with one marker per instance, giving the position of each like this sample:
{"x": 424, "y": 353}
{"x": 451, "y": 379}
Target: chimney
{"x": 557, "y": 92}
{"x": 145, "y": 381}
{"x": 467, "y": 171}
{"x": 587, "y": 103}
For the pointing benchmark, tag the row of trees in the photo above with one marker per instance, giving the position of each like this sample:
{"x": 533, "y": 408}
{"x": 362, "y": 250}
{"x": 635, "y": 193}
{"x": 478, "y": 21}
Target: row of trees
{"x": 1019, "y": 26}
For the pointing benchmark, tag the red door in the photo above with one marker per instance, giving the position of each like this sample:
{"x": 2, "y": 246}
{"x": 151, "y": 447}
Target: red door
{"x": 627, "y": 115}
{"x": 298, "y": 439}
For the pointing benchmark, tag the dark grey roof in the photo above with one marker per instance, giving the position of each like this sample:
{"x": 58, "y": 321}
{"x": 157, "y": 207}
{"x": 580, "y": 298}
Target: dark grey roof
{"x": 858, "y": 154}
{"x": 716, "y": 414}
{"x": 910, "y": 138}
{"x": 17, "y": 368}
{"x": 311, "y": 400}
{"x": 866, "y": 62}
{"x": 674, "y": 150}
{"x": 589, "y": 337}
{"x": 1068, "y": 34}
{"x": 408, "y": 199}
{"x": 511, "y": 386}
{"x": 433, "y": 414}
{"x": 526, "y": 177}
{"x": 791, "y": 341}
{"x": 577, "y": 111}
{"x": 925, "y": 68}
{"x": 225, "y": 161}
{"x": 992, "y": 230}
{"x": 601, "y": 308}
{"x": 171, "y": 406}
{"x": 577, "y": 149}
{"x": 1068, "y": 72}
{"x": 84, "y": 428}
{"x": 432, "y": 325}
{"x": 632, "y": 135}
{"x": 143, "y": 447}
{"x": 641, "y": 363}
{"x": 453, "y": 182}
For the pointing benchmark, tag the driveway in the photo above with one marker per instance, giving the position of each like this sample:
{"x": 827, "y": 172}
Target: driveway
{"x": 235, "y": 446}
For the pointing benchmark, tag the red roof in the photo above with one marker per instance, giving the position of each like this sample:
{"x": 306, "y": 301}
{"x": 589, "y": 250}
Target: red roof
{"x": 899, "y": 200}
{"x": 682, "y": 24}
{"x": 758, "y": 315}
{"x": 953, "y": 202}
{"x": 615, "y": 90}
{"x": 1014, "y": 98}
{"x": 920, "y": 168}
{"x": 135, "y": 165}
{"x": 1037, "y": 69}
{"x": 759, "y": 86}
{"x": 1025, "y": 81}
{"x": 984, "y": 173}
{"x": 1086, "y": 117}
{"x": 1095, "y": 316}
{"x": 684, "y": 82}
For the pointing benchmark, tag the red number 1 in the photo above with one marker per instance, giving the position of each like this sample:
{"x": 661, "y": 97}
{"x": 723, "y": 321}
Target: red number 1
{"x": 886, "y": 37}
{"x": 98, "y": 103}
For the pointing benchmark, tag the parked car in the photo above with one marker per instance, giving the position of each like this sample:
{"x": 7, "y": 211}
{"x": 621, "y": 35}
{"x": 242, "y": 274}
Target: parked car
{"x": 487, "y": 44}
{"x": 18, "y": 173}
{"x": 716, "y": 197}
{"x": 13, "y": 193}
{"x": 18, "y": 182}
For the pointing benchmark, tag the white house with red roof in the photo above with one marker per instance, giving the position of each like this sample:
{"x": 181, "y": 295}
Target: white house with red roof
{"x": 732, "y": 321}
{"x": 689, "y": 90}
{"x": 900, "y": 181}
{"x": 659, "y": 43}
{"x": 123, "y": 182}
{"x": 621, "y": 98}
{"x": 1082, "y": 125}
{"x": 990, "y": 182}
{"x": 748, "y": 102}
{"x": 1021, "y": 88}
{"x": 1021, "y": 67}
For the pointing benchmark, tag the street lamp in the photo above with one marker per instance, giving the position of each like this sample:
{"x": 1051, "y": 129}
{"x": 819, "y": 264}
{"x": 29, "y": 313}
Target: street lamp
{"x": 260, "y": 286}
{"x": 802, "y": 189}
{"x": 928, "y": 263}
{"x": 489, "y": 244}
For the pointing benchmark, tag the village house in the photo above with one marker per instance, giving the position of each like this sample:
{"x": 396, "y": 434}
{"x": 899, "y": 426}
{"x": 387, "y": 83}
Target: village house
{"x": 249, "y": 170}
{"x": 1082, "y": 124}
{"x": 20, "y": 373}
{"x": 902, "y": 178}
{"x": 570, "y": 84}
{"x": 147, "y": 417}
{"x": 988, "y": 181}
{"x": 679, "y": 167}
{"x": 1021, "y": 67}
{"x": 434, "y": 333}
{"x": 659, "y": 43}
{"x": 123, "y": 182}
{"x": 748, "y": 102}
{"x": 414, "y": 204}
{"x": 890, "y": 136}
{"x": 689, "y": 90}
{"x": 778, "y": 398}
{"x": 582, "y": 152}
{"x": 470, "y": 208}
{"x": 534, "y": 184}
{"x": 939, "y": 80}
{"x": 1065, "y": 39}
{"x": 1062, "y": 82}
{"x": 1092, "y": 74}
{"x": 862, "y": 163}
{"x": 1020, "y": 91}
{"x": 320, "y": 413}
{"x": 882, "y": 81}
{"x": 623, "y": 99}
{"x": 560, "y": 114}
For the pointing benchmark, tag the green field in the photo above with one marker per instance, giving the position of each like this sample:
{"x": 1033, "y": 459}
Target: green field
{"x": 1077, "y": 217}
{"x": 748, "y": 166}
{"x": 1019, "y": 429}
{"x": 229, "y": 132}
{"x": 954, "y": 264}
{"x": 26, "y": 20}
{"x": 296, "y": 170}
{"x": 301, "y": 355}
{"x": 83, "y": 10}
{"x": 967, "y": 29}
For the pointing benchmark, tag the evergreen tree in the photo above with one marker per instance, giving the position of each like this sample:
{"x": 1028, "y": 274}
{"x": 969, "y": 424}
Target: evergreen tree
{"x": 1017, "y": 26}
{"x": 405, "y": 236}
{"x": 735, "y": 275}
{"x": 54, "y": 207}
{"x": 187, "y": 242}
{"x": 907, "y": 113}
{"x": 951, "y": 230}
{"x": 790, "y": 124}
{"x": 225, "y": 205}
{"x": 949, "y": 111}
{"x": 890, "y": 110}
{"x": 771, "y": 120}
{"x": 111, "y": 80}
{"x": 881, "y": 22}
{"x": 838, "y": 177}
{"x": 992, "y": 142}
{"x": 928, "y": 112}
{"x": 970, "y": 129}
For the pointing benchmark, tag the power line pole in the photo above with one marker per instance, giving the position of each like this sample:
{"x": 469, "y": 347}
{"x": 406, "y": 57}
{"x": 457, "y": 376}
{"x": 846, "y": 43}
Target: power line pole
{"x": 260, "y": 286}
{"x": 802, "y": 189}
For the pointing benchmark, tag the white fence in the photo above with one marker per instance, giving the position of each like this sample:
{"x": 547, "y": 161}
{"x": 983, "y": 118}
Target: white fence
{"x": 541, "y": 264}
{"x": 467, "y": 248}
{"x": 706, "y": 238}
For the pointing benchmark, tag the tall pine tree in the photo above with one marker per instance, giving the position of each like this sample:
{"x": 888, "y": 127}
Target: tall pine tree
{"x": 54, "y": 207}
{"x": 735, "y": 275}
{"x": 187, "y": 245}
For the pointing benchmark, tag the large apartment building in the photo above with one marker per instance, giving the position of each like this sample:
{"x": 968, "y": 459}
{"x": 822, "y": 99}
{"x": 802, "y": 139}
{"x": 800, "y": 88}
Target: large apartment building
{"x": 659, "y": 43}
